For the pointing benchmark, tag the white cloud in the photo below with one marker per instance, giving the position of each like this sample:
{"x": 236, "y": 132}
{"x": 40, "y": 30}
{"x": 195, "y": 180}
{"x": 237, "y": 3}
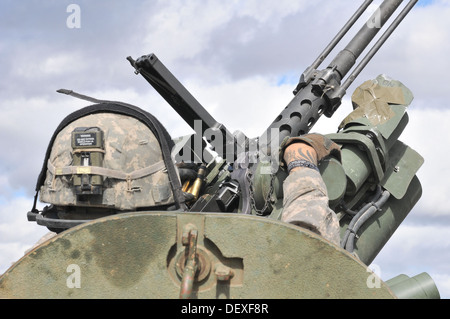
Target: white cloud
{"x": 63, "y": 63}
{"x": 425, "y": 133}
{"x": 249, "y": 105}
{"x": 442, "y": 282}
{"x": 414, "y": 249}
{"x": 265, "y": 12}
{"x": 17, "y": 234}
{"x": 178, "y": 30}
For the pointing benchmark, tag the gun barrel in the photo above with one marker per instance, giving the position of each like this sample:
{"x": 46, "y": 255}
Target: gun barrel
{"x": 320, "y": 92}
{"x": 378, "y": 44}
{"x": 345, "y": 59}
{"x": 341, "y": 34}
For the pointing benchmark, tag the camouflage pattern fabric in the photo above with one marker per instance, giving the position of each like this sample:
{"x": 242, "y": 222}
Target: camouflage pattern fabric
{"x": 305, "y": 204}
{"x": 129, "y": 146}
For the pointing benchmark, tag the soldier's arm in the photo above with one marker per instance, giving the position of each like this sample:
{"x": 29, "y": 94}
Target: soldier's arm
{"x": 305, "y": 194}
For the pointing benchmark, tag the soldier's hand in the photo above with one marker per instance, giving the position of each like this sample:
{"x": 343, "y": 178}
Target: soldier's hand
{"x": 321, "y": 144}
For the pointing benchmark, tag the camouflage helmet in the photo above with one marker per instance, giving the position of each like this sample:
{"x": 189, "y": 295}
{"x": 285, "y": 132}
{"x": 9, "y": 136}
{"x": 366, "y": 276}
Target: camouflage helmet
{"x": 104, "y": 159}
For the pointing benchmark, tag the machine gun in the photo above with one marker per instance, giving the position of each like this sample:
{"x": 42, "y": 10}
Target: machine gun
{"x": 200, "y": 252}
{"x": 248, "y": 180}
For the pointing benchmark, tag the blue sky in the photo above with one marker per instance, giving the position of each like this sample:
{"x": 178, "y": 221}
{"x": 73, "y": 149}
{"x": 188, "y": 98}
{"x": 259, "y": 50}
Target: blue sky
{"x": 241, "y": 60}
{"x": 424, "y": 3}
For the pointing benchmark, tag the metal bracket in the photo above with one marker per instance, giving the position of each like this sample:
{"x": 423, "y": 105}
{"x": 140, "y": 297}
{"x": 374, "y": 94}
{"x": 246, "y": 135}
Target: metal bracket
{"x": 189, "y": 239}
{"x": 375, "y": 151}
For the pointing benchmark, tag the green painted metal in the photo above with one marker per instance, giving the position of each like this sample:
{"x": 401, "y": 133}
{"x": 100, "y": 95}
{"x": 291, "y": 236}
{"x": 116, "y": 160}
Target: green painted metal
{"x": 356, "y": 166}
{"x": 420, "y": 286}
{"x": 143, "y": 255}
{"x": 378, "y": 229}
{"x": 403, "y": 164}
{"x": 335, "y": 179}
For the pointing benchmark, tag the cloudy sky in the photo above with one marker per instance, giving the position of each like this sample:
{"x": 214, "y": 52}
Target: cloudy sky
{"x": 241, "y": 59}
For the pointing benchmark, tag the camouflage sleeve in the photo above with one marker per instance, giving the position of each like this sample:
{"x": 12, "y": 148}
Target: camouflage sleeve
{"x": 306, "y": 204}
